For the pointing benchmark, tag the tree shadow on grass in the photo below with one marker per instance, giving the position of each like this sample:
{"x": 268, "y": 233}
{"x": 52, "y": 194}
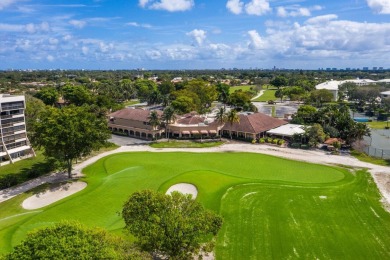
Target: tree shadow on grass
{"x": 36, "y": 170}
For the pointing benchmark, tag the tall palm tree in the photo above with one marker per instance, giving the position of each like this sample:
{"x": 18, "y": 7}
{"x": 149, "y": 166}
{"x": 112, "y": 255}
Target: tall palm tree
{"x": 154, "y": 119}
{"x": 221, "y": 118}
{"x": 232, "y": 117}
{"x": 168, "y": 116}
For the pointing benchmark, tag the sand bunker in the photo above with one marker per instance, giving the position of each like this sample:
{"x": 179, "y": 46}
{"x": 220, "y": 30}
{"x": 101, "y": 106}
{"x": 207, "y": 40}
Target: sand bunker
{"x": 184, "y": 188}
{"x": 52, "y": 195}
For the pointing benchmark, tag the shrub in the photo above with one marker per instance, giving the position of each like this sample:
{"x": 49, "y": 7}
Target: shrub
{"x": 261, "y": 140}
{"x": 253, "y": 141}
{"x": 295, "y": 145}
{"x": 269, "y": 140}
{"x": 305, "y": 146}
{"x": 281, "y": 142}
{"x": 7, "y": 181}
{"x": 275, "y": 141}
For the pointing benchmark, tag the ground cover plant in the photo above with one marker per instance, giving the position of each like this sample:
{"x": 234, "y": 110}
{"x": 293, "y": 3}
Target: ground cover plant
{"x": 185, "y": 144}
{"x": 272, "y": 207}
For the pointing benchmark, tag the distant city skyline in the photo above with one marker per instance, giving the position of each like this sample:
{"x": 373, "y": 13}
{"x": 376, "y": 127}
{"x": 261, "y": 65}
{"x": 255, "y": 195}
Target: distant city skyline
{"x": 194, "y": 34}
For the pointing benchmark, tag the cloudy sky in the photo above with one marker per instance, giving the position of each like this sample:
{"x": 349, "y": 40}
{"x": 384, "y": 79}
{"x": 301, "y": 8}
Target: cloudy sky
{"x": 194, "y": 34}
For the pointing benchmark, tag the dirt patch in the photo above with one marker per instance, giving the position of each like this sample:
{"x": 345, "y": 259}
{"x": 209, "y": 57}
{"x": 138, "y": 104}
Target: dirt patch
{"x": 52, "y": 195}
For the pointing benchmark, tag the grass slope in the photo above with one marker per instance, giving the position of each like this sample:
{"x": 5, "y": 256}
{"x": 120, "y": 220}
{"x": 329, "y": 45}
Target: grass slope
{"x": 267, "y": 95}
{"x": 270, "y": 205}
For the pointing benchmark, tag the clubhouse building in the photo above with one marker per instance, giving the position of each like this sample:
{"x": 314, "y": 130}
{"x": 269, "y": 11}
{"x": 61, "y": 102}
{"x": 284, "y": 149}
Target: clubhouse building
{"x": 135, "y": 123}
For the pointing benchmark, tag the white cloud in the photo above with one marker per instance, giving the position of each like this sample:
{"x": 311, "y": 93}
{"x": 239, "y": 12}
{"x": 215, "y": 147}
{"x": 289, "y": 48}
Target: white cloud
{"x": 167, "y": 5}
{"x": 143, "y": 3}
{"x": 255, "y": 40}
{"x": 283, "y": 12}
{"x": 379, "y": 6}
{"x": 198, "y": 35}
{"x": 11, "y": 27}
{"x": 6, "y": 3}
{"x": 253, "y": 7}
{"x": 135, "y": 24}
{"x": 321, "y": 19}
{"x": 50, "y": 58}
{"x": 77, "y": 23}
{"x": 257, "y": 7}
{"x": 85, "y": 50}
{"x": 235, "y": 6}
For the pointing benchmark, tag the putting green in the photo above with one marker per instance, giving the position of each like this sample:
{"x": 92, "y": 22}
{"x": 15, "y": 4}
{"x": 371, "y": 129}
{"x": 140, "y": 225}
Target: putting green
{"x": 249, "y": 190}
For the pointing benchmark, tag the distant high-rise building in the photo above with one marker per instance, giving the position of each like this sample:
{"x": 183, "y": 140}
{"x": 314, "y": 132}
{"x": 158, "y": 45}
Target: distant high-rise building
{"x": 380, "y": 68}
{"x": 14, "y": 144}
{"x": 365, "y": 68}
{"x": 328, "y": 69}
{"x": 374, "y": 68}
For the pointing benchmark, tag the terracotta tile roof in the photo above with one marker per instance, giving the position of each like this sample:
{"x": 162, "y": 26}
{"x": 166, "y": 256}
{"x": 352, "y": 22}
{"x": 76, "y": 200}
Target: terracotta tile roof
{"x": 134, "y": 114}
{"x": 330, "y": 141}
{"x": 191, "y": 120}
{"x": 254, "y": 123}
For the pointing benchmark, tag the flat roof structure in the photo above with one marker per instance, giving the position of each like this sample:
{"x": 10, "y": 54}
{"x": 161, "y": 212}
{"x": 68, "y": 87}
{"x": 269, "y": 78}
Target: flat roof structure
{"x": 287, "y": 130}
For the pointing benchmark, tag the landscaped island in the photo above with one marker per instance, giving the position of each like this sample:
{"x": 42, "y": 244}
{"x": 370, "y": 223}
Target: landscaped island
{"x": 272, "y": 207}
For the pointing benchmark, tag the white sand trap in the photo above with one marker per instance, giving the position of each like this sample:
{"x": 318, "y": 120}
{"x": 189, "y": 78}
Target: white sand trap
{"x": 184, "y": 188}
{"x": 52, "y": 195}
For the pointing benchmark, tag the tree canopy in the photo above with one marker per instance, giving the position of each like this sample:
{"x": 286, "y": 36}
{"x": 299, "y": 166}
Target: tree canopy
{"x": 69, "y": 133}
{"x": 171, "y": 225}
{"x": 71, "y": 240}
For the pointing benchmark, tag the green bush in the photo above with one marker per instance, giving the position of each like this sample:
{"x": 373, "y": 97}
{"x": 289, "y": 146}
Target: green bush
{"x": 305, "y": 146}
{"x": 275, "y": 141}
{"x": 295, "y": 145}
{"x": 262, "y": 140}
{"x": 281, "y": 142}
{"x": 269, "y": 140}
{"x": 7, "y": 181}
{"x": 253, "y": 141}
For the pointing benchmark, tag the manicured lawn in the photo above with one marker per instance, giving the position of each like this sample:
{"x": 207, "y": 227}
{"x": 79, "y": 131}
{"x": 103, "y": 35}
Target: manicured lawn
{"x": 243, "y": 88}
{"x": 184, "y": 144}
{"x": 273, "y": 208}
{"x": 378, "y": 124}
{"x": 267, "y": 95}
{"x": 131, "y": 102}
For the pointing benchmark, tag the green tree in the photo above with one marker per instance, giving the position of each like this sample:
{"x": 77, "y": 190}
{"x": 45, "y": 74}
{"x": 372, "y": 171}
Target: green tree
{"x": 77, "y": 95}
{"x": 168, "y": 117}
{"x": 315, "y": 135}
{"x": 223, "y": 93}
{"x": 154, "y": 119}
{"x": 240, "y": 99}
{"x": 173, "y": 225}
{"x": 206, "y": 93}
{"x": 184, "y": 104}
{"x": 305, "y": 114}
{"x": 232, "y": 117}
{"x": 145, "y": 88}
{"x": 49, "y": 95}
{"x": 319, "y": 96}
{"x": 279, "y": 81}
{"x": 34, "y": 106}
{"x": 69, "y": 133}
{"x": 71, "y": 240}
{"x": 128, "y": 89}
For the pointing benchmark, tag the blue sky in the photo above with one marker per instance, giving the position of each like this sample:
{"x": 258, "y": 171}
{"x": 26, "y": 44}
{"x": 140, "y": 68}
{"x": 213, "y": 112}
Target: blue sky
{"x": 194, "y": 34}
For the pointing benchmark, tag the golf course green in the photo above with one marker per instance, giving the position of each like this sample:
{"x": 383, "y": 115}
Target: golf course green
{"x": 273, "y": 208}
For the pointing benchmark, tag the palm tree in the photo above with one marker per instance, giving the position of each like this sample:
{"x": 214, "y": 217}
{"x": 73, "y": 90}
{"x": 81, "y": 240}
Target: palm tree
{"x": 221, "y": 118}
{"x": 232, "y": 117}
{"x": 154, "y": 119}
{"x": 168, "y": 116}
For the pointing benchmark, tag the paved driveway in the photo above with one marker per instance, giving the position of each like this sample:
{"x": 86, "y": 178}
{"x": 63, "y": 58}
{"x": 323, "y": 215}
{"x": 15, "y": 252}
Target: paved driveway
{"x": 124, "y": 140}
